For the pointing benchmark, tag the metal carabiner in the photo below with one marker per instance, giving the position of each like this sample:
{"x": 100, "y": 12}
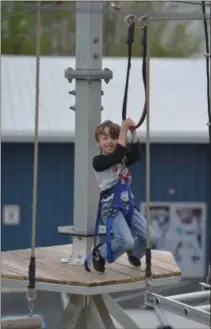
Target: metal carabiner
{"x": 31, "y": 296}
{"x": 144, "y": 21}
{"x": 130, "y": 19}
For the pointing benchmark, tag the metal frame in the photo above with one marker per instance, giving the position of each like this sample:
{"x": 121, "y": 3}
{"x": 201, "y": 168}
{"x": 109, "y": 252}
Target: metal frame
{"x": 88, "y": 291}
{"x": 204, "y": 285}
{"x": 92, "y": 307}
{"x": 94, "y": 312}
{"x": 178, "y": 304}
{"x": 157, "y": 15}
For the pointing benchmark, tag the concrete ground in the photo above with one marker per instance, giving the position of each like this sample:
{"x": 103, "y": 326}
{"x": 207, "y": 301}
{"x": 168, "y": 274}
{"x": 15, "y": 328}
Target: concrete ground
{"x": 50, "y": 306}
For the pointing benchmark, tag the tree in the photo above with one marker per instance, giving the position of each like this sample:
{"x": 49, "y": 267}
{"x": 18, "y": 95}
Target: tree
{"x": 19, "y": 27}
{"x": 167, "y": 39}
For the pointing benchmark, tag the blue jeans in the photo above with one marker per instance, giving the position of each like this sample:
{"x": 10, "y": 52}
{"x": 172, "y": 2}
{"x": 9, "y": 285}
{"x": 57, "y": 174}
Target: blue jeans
{"x": 127, "y": 238}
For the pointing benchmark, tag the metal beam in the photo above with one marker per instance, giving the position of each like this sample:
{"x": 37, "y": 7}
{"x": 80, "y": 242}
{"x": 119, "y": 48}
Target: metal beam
{"x": 192, "y": 296}
{"x": 119, "y": 314}
{"x": 172, "y": 16}
{"x": 173, "y": 306}
{"x": 204, "y": 285}
{"x": 205, "y": 308}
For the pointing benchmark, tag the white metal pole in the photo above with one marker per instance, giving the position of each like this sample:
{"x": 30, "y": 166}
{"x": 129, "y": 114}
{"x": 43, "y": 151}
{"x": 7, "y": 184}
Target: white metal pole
{"x": 205, "y": 308}
{"x": 88, "y": 74}
{"x": 192, "y": 296}
{"x": 89, "y": 29}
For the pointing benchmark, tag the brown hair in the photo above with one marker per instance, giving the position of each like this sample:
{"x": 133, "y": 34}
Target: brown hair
{"x": 114, "y": 130}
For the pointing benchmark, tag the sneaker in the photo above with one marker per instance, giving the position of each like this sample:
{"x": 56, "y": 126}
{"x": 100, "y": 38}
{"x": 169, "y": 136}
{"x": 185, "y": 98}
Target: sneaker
{"x": 133, "y": 260}
{"x": 98, "y": 261}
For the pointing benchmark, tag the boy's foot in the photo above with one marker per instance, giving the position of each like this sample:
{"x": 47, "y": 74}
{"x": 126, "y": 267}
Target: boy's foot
{"x": 133, "y": 260}
{"x": 98, "y": 261}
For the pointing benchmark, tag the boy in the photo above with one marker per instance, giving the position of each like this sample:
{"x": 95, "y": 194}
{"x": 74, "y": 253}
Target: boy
{"x": 110, "y": 168}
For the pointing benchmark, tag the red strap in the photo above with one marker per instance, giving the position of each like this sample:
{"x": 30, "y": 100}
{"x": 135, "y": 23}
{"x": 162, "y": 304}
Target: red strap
{"x": 122, "y": 177}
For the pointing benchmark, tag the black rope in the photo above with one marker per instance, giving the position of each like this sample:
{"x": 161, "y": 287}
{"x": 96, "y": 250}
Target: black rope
{"x": 32, "y": 270}
{"x": 148, "y": 268}
{"x": 208, "y": 82}
{"x": 130, "y": 41}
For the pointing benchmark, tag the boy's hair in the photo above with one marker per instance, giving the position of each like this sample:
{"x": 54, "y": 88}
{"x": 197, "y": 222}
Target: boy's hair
{"x": 114, "y": 130}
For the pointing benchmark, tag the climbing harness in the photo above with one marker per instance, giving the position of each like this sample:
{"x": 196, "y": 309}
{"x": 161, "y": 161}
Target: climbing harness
{"x": 116, "y": 205}
{"x": 130, "y": 20}
{"x": 31, "y": 294}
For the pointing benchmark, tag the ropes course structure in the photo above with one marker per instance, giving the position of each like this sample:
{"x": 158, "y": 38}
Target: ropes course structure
{"x": 90, "y": 303}
{"x": 115, "y": 7}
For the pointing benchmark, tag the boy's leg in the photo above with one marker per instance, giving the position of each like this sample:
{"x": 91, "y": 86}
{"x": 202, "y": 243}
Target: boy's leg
{"x": 121, "y": 241}
{"x": 139, "y": 231}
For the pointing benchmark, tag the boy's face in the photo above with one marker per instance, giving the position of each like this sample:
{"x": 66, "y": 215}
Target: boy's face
{"x": 106, "y": 143}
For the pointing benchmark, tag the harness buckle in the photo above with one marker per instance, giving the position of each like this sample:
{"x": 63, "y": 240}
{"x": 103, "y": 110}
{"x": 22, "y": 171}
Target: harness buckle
{"x": 112, "y": 212}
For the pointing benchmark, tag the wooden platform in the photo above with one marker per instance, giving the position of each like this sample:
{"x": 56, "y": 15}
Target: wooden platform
{"x": 49, "y": 269}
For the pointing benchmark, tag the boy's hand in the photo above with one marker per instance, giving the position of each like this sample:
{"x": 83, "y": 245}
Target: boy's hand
{"x": 128, "y": 124}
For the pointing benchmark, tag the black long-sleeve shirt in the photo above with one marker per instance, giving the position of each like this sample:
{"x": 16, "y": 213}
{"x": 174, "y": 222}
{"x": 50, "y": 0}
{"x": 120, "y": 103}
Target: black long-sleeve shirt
{"x": 131, "y": 153}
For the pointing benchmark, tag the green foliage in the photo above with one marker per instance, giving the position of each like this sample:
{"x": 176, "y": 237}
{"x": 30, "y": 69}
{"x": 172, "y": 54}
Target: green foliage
{"x": 19, "y": 30}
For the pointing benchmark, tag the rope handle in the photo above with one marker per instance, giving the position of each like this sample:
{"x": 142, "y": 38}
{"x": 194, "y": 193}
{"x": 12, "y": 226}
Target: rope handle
{"x": 130, "y": 20}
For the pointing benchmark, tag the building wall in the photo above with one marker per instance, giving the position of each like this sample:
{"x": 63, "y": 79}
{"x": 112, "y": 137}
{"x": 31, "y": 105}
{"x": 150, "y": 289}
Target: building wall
{"x": 185, "y": 168}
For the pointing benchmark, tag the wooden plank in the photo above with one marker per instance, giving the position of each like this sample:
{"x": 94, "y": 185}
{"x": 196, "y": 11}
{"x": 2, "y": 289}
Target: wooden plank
{"x": 122, "y": 266}
{"x": 159, "y": 268}
{"x": 139, "y": 273}
{"x": 50, "y": 269}
{"x": 52, "y": 262}
{"x": 34, "y": 322}
{"x": 165, "y": 257}
{"x": 160, "y": 259}
{"x": 60, "y": 273}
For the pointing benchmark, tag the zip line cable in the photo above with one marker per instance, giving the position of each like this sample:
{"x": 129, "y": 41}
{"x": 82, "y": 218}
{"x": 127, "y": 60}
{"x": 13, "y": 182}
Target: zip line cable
{"x": 114, "y": 9}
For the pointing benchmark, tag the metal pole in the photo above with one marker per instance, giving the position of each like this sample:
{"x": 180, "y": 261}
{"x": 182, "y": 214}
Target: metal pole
{"x": 192, "y": 296}
{"x": 88, "y": 75}
{"x": 205, "y": 308}
{"x": 204, "y": 285}
{"x": 87, "y": 117}
{"x": 176, "y": 307}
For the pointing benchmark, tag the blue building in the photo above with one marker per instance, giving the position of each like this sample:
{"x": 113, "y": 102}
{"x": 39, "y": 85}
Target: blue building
{"x": 180, "y": 164}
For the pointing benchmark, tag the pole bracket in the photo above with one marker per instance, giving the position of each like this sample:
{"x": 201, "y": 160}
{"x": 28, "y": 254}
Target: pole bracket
{"x": 70, "y": 230}
{"x": 88, "y": 75}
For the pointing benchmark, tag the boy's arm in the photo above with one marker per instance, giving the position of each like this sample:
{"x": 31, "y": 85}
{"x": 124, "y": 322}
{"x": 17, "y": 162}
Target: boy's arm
{"x": 134, "y": 153}
{"x": 102, "y": 162}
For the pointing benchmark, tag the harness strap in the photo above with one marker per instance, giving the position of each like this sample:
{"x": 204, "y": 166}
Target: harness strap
{"x": 130, "y": 41}
{"x": 115, "y": 207}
